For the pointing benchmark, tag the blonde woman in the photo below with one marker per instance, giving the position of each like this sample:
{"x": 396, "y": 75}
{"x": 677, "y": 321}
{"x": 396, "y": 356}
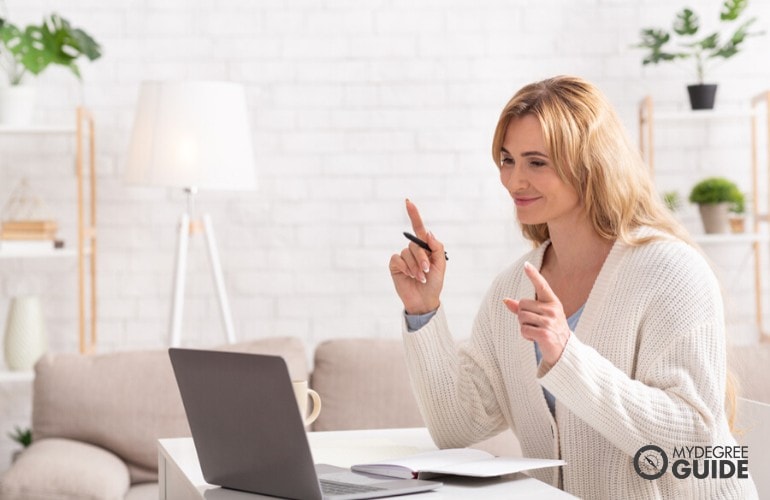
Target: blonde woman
{"x": 605, "y": 339}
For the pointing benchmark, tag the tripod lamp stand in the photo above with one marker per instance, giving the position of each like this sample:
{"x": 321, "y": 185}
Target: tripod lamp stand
{"x": 192, "y": 136}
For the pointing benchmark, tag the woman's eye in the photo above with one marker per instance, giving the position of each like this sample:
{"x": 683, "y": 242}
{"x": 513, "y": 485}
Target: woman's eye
{"x": 537, "y": 163}
{"x": 506, "y": 162}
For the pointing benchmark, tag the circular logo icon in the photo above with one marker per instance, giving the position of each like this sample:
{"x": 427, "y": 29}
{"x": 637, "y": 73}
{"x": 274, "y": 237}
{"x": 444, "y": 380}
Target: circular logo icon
{"x": 650, "y": 462}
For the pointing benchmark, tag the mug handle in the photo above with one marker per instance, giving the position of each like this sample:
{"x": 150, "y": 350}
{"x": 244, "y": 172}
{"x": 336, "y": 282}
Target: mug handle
{"x": 316, "y": 407}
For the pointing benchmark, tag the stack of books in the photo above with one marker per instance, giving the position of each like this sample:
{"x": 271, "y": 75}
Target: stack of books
{"x": 28, "y": 230}
{"x": 28, "y": 235}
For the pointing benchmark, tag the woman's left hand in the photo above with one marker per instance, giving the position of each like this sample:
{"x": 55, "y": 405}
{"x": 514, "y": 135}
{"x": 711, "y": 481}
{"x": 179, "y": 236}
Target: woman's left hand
{"x": 542, "y": 319}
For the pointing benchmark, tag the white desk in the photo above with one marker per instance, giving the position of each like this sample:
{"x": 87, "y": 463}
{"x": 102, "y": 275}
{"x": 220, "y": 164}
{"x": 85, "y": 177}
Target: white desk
{"x": 180, "y": 476}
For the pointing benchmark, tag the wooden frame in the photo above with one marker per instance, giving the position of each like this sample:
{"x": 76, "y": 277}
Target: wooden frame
{"x": 86, "y": 230}
{"x": 647, "y": 150}
{"x": 762, "y": 99}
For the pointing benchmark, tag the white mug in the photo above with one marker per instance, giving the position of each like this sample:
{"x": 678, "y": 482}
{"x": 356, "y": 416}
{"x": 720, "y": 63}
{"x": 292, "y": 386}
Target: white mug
{"x": 301, "y": 392}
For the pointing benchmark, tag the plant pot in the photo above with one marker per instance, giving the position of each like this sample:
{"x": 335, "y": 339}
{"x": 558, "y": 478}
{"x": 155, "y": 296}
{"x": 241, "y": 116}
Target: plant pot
{"x": 737, "y": 224}
{"x": 702, "y": 96}
{"x": 715, "y": 217}
{"x": 17, "y": 105}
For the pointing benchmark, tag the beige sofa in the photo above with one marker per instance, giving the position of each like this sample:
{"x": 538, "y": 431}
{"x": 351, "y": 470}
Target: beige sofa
{"x": 96, "y": 419}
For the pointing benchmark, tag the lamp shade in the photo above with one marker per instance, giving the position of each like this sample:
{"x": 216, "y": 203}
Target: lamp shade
{"x": 191, "y": 134}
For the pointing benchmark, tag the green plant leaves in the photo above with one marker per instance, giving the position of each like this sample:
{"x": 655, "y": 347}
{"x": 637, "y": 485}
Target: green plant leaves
{"x": 654, "y": 40}
{"x": 686, "y": 23}
{"x": 52, "y": 42}
{"x": 732, "y": 46}
{"x": 21, "y": 436}
{"x": 684, "y": 36}
{"x": 708, "y": 43}
{"x": 717, "y": 190}
{"x": 731, "y": 9}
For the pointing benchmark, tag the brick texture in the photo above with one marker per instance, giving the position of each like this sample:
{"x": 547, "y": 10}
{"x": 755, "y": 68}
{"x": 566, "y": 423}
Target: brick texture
{"x": 354, "y": 106}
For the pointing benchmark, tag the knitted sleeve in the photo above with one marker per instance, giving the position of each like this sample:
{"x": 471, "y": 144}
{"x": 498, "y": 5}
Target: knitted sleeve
{"x": 454, "y": 382}
{"x": 666, "y": 408}
{"x": 675, "y": 394}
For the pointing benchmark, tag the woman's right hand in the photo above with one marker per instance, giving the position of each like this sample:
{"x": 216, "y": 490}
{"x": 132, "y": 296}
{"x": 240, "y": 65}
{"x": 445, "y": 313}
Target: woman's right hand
{"x": 418, "y": 274}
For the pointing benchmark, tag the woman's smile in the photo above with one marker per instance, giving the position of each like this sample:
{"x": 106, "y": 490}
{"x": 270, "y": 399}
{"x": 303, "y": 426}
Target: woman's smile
{"x": 525, "y": 201}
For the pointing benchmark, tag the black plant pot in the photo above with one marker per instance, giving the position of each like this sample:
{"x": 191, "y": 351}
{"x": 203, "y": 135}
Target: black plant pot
{"x": 702, "y": 95}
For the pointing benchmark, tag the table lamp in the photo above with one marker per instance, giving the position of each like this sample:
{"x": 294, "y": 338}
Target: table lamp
{"x": 192, "y": 135}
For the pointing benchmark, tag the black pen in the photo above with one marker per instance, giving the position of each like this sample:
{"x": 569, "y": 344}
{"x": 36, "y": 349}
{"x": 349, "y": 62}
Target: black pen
{"x": 417, "y": 241}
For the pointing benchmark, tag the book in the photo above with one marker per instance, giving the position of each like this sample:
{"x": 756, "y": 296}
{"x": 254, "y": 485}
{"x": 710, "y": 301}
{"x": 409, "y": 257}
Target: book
{"x": 29, "y": 225}
{"x": 28, "y": 230}
{"x": 454, "y": 461}
{"x": 27, "y": 235}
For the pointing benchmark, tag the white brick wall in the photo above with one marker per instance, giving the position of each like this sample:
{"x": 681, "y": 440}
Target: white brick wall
{"x": 355, "y": 105}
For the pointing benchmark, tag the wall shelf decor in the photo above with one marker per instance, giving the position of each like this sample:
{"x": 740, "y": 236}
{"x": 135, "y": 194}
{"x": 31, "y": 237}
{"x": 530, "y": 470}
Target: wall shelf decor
{"x": 86, "y": 249}
{"x": 757, "y": 234}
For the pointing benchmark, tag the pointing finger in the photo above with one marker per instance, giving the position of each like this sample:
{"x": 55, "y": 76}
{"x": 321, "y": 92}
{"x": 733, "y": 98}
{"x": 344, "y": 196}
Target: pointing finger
{"x": 512, "y": 305}
{"x": 543, "y": 289}
{"x": 417, "y": 224}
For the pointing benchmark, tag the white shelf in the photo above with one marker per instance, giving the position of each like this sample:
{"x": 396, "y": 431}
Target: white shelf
{"x": 82, "y": 129}
{"x": 728, "y": 238}
{"x": 702, "y": 115}
{"x": 16, "y": 376}
{"x": 37, "y": 130}
{"x": 41, "y": 254}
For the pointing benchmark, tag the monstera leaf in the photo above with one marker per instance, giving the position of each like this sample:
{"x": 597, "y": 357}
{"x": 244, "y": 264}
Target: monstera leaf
{"x": 33, "y": 49}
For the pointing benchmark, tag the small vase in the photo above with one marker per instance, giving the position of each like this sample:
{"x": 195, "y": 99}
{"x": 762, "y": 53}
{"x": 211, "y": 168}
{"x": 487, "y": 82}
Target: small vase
{"x": 25, "y": 337}
{"x": 737, "y": 224}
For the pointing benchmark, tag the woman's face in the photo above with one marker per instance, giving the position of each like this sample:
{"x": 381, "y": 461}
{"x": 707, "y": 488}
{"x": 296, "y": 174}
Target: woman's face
{"x": 528, "y": 174}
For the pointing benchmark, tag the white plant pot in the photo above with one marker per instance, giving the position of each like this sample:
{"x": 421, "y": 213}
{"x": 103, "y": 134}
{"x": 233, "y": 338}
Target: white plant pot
{"x": 25, "y": 336}
{"x": 715, "y": 217}
{"x": 17, "y": 105}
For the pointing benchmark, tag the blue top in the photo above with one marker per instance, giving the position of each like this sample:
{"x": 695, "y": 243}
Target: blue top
{"x": 416, "y": 321}
{"x": 572, "y": 321}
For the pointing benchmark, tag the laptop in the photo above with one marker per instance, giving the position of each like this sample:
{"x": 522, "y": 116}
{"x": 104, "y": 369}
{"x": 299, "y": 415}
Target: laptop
{"x": 249, "y": 435}
{"x": 753, "y": 430}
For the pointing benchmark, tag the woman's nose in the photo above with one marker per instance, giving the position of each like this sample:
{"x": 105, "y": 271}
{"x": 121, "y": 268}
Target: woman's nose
{"x": 512, "y": 179}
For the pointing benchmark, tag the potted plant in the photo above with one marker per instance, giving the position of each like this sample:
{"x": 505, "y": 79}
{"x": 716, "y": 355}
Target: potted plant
{"x": 690, "y": 44}
{"x": 737, "y": 217}
{"x": 715, "y": 197}
{"x": 29, "y": 52}
{"x": 672, "y": 200}
{"x": 21, "y": 436}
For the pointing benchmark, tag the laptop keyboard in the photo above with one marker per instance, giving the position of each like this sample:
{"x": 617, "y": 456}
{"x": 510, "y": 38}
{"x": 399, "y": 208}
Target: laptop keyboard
{"x": 336, "y": 488}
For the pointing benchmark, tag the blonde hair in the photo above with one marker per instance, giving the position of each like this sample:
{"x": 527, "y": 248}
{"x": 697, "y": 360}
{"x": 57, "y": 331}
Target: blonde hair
{"x": 592, "y": 152}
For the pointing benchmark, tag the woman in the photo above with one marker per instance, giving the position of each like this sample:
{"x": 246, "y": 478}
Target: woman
{"x": 607, "y": 337}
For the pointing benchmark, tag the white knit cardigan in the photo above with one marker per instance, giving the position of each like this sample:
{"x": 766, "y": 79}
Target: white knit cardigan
{"x": 645, "y": 365}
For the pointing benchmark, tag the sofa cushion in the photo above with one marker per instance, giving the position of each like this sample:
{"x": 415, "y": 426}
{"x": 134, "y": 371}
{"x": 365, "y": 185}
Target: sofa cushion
{"x": 363, "y": 384}
{"x": 65, "y": 469}
{"x": 143, "y": 491}
{"x": 125, "y": 401}
{"x": 292, "y": 349}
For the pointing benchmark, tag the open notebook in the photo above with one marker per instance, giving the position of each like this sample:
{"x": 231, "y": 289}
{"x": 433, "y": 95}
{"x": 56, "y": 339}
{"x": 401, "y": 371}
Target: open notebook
{"x": 457, "y": 461}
